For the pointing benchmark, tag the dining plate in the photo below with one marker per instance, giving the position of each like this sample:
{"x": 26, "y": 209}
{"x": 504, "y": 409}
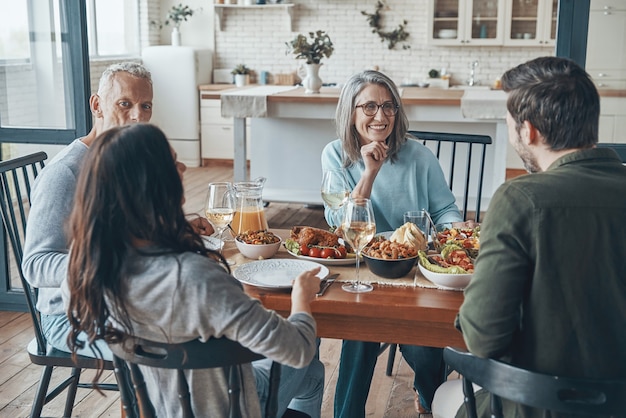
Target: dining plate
{"x": 327, "y": 261}
{"x": 275, "y": 273}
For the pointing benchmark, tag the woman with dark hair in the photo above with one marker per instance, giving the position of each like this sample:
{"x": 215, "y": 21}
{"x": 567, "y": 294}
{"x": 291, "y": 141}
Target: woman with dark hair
{"x": 397, "y": 173}
{"x": 137, "y": 267}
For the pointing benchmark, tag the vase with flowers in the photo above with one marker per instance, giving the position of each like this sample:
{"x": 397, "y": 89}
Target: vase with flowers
{"x": 320, "y": 46}
{"x": 175, "y": 16}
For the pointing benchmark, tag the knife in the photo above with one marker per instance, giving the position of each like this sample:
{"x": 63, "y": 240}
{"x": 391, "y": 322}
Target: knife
{"x": 326, "y": 282}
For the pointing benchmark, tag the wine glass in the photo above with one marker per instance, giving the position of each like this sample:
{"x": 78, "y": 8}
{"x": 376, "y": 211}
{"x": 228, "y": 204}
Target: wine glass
{"x": 220, "y": 207}
{"x": 335, "y": 189}
{"x": 358, "y": 228}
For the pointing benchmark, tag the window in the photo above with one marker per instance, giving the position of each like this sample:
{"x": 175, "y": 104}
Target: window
{"x": 113, "y": 27}
{"x": 14, "y": 43}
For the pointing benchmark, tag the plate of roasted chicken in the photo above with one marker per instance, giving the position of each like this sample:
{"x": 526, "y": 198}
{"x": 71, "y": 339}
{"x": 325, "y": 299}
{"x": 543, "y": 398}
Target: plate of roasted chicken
{"x": 319, "y": 245}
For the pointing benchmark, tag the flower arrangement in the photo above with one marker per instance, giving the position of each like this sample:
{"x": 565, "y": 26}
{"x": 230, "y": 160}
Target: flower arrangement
{"x": 241, "y": 69}
{"x": 321, "y": 46}
{"x": 175, "y": 16}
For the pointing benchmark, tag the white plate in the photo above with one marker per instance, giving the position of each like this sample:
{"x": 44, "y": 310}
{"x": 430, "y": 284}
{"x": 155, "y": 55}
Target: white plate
{"x": 326, "y": 261}
{"x": 275, "y": 273}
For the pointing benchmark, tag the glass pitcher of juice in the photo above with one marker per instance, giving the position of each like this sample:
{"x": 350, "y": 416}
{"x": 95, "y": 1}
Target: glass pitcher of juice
{"x": 249, "y": 213}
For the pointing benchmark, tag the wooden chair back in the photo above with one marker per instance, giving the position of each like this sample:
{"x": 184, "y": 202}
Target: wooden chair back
{"x": 560, "y": 394}
{"x": 471, "y": 173}
{"x": 214, "y": 353}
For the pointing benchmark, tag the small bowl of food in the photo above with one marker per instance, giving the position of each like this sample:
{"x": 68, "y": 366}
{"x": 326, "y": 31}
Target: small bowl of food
{"x": 452, "y": 269}
{"x": 389, "y": 259}
{"x": 258, "y": 245}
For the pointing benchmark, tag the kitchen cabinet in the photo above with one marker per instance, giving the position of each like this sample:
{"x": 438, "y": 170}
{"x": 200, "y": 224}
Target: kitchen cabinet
{"x": 612, "y": 120}
{"x": 216, "y": 132}
{"x": 461, "y": 22}
{"x": 606, "y": 44}
{"x": 530, "y": 22}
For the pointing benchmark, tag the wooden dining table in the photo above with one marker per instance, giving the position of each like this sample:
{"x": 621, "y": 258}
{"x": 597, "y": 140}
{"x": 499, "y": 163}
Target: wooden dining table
{"x": 401, "y": 312}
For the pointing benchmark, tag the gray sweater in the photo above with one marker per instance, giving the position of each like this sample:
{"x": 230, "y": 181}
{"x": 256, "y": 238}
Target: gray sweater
{"x": 45, "y": 246}
{"x": 180, "y": 297}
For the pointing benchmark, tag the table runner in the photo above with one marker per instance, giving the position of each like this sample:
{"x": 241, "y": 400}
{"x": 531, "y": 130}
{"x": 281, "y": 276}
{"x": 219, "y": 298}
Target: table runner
{"x": 483, "y": 104}
{"x": 250, "y": 102}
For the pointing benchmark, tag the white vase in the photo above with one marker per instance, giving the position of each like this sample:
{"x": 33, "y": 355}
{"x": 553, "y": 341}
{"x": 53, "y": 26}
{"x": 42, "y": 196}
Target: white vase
{"x": 242, "y": 80}
{"x": 175, "y": 36}
{"x": 312, "y": 82}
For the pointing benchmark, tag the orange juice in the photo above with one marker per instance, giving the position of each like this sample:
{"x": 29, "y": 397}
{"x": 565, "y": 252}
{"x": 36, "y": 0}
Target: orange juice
{"x": 249, "y": 219}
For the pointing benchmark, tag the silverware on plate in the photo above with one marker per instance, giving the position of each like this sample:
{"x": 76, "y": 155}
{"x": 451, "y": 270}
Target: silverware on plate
{"x": 326, "y": 282}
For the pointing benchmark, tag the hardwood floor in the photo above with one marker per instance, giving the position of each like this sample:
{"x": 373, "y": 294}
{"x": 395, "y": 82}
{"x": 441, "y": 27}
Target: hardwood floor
{"x": 390, "y": 397}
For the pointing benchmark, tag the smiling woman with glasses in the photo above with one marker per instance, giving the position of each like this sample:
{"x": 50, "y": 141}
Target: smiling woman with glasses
{"x": 397, "y": 173}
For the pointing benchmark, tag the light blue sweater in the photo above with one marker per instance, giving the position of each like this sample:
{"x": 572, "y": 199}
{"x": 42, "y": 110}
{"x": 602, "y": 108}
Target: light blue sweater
{"x": 415, "y": 181}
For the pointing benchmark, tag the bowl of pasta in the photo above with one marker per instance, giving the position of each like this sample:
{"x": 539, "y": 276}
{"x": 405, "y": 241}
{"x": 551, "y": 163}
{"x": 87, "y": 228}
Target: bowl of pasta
{"x": 389, "y": 259}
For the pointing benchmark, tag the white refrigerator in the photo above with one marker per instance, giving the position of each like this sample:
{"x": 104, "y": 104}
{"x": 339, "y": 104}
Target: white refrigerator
{"x": 176, "y": 73}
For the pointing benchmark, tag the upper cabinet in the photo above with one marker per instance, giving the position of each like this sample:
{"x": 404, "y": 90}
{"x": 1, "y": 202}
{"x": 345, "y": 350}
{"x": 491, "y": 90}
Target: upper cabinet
{"x": 462, "y": 22}
{"x": 530, "y": 22}
{"x": 606, "y": 43}
{"x": 492, "y": 22}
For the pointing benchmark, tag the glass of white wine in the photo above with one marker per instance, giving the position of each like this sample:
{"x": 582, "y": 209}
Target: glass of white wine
{"x": 335, "y": 189}
{"x": 359, "y": 227}
{"x": 220, "y": 207}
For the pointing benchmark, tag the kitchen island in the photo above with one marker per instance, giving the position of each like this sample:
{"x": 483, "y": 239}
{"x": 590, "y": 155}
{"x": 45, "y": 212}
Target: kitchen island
{"x": 287, "y": 137}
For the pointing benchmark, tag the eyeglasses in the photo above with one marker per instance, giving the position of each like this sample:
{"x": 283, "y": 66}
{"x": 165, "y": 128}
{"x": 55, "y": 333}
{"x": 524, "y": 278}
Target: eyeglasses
{"x": 371, "y": 108}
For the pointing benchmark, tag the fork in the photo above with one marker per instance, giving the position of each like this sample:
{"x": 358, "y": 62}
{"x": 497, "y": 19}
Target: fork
{"x": 325, "y": 283}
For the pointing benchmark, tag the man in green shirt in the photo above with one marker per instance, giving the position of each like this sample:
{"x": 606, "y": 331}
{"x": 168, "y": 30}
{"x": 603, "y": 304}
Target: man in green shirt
{"x": 549, "y": 290}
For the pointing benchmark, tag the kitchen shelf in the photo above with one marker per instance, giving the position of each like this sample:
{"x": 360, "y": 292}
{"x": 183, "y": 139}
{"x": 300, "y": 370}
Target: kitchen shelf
{"x": 219, "y": 10}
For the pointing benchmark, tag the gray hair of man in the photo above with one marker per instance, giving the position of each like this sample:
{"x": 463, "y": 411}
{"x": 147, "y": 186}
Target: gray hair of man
{"x": 133, "y": 68}
{"x": 345, "y": 115}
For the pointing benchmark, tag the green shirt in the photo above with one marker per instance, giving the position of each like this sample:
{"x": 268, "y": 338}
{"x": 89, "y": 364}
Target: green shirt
{"x": 549, "y": 289}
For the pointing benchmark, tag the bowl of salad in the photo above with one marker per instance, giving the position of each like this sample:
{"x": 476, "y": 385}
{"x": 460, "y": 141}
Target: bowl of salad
{"x": 450, "y": 269}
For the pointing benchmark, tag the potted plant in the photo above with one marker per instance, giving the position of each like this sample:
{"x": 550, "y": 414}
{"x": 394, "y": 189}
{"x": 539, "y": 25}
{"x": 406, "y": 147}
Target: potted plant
{"x": 242, "y": 75}
{"x": 320, "y": 46}
{"x": 175, "y": 16}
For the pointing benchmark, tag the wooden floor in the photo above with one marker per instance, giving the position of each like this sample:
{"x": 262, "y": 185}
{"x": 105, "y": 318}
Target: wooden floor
{"x": 389, "y": 397}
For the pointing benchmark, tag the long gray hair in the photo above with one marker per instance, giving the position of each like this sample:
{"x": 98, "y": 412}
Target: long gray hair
{"x": 344, "y": 116}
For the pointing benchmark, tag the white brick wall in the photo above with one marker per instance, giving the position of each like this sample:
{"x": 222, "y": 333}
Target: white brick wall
{"x": 257, "y": 38}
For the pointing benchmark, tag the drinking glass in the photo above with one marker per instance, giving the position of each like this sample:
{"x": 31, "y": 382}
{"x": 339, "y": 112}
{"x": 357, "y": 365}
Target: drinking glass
{"x": 220, "y": 207}
{"x": 335, "y": 189}
{"x": 359, "y": 227}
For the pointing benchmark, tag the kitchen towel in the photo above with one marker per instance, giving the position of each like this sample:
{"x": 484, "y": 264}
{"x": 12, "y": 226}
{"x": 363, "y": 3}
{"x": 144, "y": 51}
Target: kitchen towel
{"x": 483, "y": 104}
{"x": 249, "y": 102}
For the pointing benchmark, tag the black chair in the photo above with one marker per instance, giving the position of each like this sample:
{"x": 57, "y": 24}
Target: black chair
{"x": 472, "y": 174}
{"x": 619, "y": 148}
{"x": 16, "y": 178}
{"x": 579, "y": 396}
{"x": 216, "y": 352}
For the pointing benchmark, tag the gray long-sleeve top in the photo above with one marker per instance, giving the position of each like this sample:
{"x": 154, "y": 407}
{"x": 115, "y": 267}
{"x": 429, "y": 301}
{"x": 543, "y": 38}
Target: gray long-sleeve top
{"x": 180, "y": 297}
{"x": 45, "y": 247}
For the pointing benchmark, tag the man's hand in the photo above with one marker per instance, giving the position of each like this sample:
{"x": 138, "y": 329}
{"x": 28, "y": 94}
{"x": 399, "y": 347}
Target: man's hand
{"x": 202, "y": 226}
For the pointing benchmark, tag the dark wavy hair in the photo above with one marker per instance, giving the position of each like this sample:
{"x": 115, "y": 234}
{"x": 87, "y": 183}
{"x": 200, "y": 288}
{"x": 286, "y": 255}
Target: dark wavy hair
{"x": 128, "y": 189}
{"x": 558, "y": 97}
